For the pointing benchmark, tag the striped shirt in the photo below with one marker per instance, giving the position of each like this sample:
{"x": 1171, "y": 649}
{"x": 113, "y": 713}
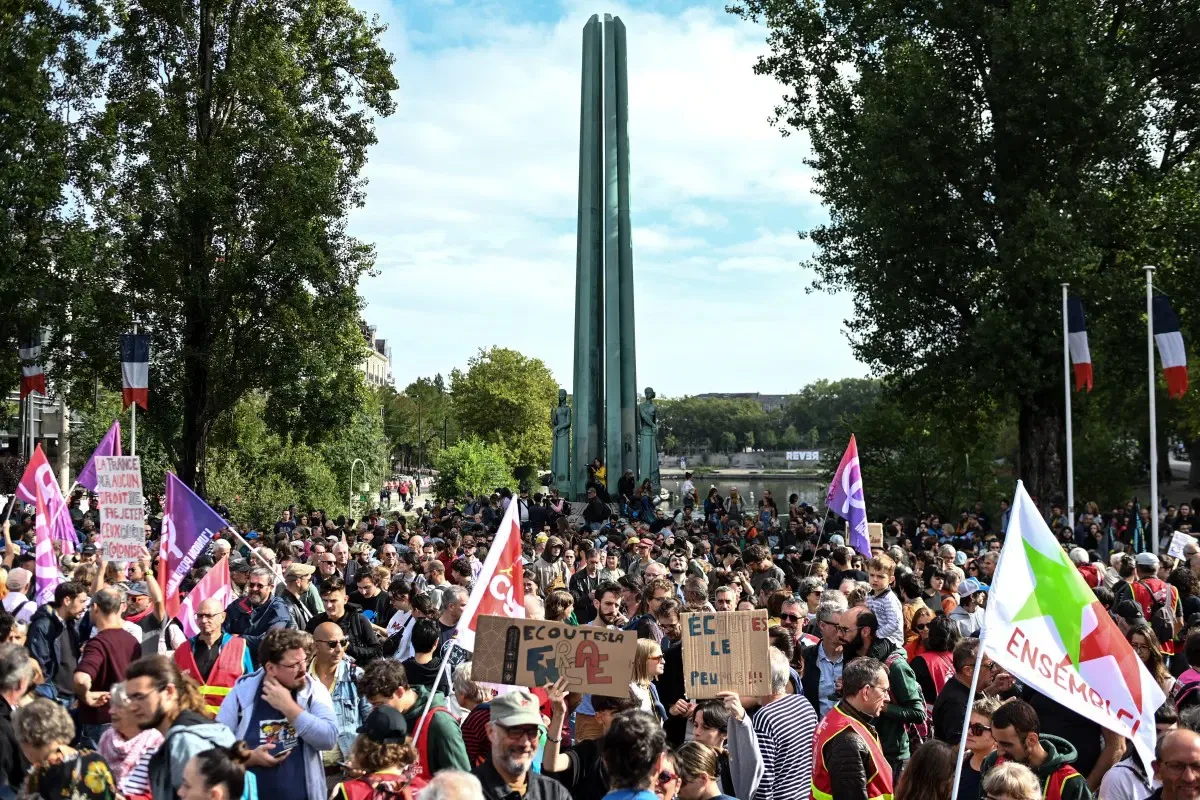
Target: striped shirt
{"x": 886, "y": 608}
{"x": 785, "y": 730}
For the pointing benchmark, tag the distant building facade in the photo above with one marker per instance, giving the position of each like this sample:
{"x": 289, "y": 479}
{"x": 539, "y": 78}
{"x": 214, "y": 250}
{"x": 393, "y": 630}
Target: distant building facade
{"x": 378, "y": 364}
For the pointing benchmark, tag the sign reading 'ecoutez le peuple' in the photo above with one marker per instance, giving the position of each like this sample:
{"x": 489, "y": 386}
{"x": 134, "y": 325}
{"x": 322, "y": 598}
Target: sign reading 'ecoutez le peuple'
{"x": 726, "y": 652}
{"x": 520, "y": 652}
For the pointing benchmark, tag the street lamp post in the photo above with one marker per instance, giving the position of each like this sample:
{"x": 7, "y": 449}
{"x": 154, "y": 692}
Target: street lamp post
{"x": 350, "y": 508}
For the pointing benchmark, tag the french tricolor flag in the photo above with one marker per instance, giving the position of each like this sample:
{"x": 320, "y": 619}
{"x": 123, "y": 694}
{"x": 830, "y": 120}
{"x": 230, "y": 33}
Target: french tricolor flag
{"x": 135, "y": 369}
{"x": 33, "y": 379}
{"x": 1081, "y": 356}
{"x": 1170, "y": 346}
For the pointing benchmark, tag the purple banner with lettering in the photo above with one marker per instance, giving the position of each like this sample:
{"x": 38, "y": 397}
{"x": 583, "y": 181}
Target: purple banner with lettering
{"x": 188, "y": 526}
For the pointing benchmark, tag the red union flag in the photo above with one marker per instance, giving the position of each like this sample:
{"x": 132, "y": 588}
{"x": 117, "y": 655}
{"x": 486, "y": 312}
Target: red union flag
{"x": 1046, "y": 627}
{"x": 500, "y": 590}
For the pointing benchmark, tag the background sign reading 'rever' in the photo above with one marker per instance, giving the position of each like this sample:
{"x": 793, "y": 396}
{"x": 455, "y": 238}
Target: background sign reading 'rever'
{"x": 122, "y": 510}
{"x": 532, "y": 653}
{"x": 726, "y": 652}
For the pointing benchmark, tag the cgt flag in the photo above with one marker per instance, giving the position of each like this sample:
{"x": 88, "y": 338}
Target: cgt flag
{"x": 188, "y": 526}
{"x": 1046, "y": 627}
{"x": 846, "y": 499}
{"x": 110, "y": 445}
{"x": 500, "y": 589}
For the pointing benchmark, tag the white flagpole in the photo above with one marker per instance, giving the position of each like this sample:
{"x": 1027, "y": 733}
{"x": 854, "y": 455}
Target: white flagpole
{"x": 962, "y": 739}
{"x": 1067, "y": 394}
{"x": 1153, "y": 421}
{"x": 133, "y": 418}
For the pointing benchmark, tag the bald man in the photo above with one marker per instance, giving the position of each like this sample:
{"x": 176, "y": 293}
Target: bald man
{"x": 213, "y": 658}
{"x": 338, "y": 672}
{"x": 1177, "y": 765}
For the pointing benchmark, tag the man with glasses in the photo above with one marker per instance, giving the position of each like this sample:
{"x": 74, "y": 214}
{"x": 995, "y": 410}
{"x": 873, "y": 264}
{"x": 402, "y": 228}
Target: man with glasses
{"x": 1017, "y": 733}
{"x": 950, "y": 708}
{"x": 213, "y": 658}
{"x": 847, "y": 759}
{"x": 285, "y": 716}
{"x": 259, "y": 612}
{"x": 514, "y": 730}
{"x": 1177, "y": 765}
{"x": 822, "y": 676}
{"x": 326, "y": 568}
{"x": 339, "y": 675}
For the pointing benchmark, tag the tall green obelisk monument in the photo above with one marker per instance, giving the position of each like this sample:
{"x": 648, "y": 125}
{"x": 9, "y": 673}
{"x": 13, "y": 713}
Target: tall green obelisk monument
{"x": 604, "y": 419}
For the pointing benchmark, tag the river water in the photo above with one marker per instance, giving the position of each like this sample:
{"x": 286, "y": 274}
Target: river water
{"x": 810, "y": 491}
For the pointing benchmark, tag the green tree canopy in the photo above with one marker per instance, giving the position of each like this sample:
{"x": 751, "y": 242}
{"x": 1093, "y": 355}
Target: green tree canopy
{"x": 505, "y": 399}
{"x": 470, "y": 465}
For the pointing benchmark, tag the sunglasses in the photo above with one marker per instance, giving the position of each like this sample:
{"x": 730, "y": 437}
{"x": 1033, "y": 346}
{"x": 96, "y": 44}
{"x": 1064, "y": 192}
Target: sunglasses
{"x": 978, "y": 729}
{"x": 666, "y": 776}
{"x": 920, "y": 626}
{"x": 332, "y": 643}
{"x": 789, "y": 618}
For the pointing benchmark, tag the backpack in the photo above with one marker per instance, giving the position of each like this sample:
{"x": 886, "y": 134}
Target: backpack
{"x": 1185, "y": 695}
{"x": 380, "y": 787}
{"x": 918, "y": 732}
{"x": 1161, "y": 616}
{"x": 422, "y": 743}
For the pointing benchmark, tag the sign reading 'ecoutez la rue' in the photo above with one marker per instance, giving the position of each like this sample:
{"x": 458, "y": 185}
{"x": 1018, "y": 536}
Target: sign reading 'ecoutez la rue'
{"x": 726, "y": 651}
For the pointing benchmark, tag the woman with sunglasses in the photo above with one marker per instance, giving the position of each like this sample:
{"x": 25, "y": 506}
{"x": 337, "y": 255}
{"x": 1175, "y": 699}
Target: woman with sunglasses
{"x": 918, "y": 633}
{"x": 668, "y": 781}
{"x": 647, "y": 667}
{"x": 935, "y": 665}
{"x": 979, "y": 746}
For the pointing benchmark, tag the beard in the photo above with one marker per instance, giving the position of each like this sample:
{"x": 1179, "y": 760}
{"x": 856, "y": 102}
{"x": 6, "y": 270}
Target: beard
{"x": 155, "y": 721}
{"x": 853, "y": 650}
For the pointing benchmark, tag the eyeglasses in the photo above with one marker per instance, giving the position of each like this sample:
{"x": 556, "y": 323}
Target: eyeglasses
{"x": 1142, "y": 648}
{"x": 789, "y": 618}
{"x": 294, "y": 666}
{"x": 256, "y": 586}
{"x": 332, "y": 643}
{"x": 200, "y": 615}
{"x": 1176, "y": 768}
{"x": 658, "y": 657}
{"x": 978, "y": 729}
{"x": 920, "y": 626}
{"x": 666, "y": 776}
{"x": 522, "y": 731}
{"x": 141, "y": 697}
{"x": 842, "y": 629}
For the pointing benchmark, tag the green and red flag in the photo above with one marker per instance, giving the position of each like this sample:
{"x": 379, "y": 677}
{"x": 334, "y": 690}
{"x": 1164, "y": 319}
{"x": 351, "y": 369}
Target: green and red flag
{"x": 1046, "y": 627}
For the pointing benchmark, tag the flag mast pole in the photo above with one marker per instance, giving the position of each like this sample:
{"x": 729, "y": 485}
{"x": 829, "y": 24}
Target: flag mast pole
{"x": 133, "y": 415}
{"x": 1067, "y": 395}
{"x": 962, "y": 739}
{"x": 1153, "y": 421}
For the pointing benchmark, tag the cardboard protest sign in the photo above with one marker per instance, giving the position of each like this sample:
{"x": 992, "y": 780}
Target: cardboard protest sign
{"x": 875, "y": 534}
{"x": 532, "y": 653}
{"x": 122, "y": 510}
{"x": 1178, "y": 542}
{"x": 726, "y": 652}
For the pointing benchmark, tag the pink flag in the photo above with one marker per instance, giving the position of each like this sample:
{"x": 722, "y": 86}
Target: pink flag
{"x": 215, "y": 585}
{"x": 38, "y": 481}
{"x": 110, "y": 445}
{"x": 45, "y": 569}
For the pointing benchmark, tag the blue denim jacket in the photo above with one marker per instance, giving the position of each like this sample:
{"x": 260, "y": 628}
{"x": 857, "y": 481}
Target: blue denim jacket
{"x": 349, "y": 708}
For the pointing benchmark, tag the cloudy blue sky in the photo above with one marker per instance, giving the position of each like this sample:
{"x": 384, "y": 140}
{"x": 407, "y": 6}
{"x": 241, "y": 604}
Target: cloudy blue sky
{"x": 472, "y": 198}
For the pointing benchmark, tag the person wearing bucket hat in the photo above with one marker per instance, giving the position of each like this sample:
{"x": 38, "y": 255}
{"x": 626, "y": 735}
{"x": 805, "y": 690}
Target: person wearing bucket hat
{"x": 514, "y": 730}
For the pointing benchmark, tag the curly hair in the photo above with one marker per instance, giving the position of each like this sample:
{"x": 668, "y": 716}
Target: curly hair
{"x": 42, "y": 723}
{"x": 371, "y": 756}
{"x": 279, "y": 641}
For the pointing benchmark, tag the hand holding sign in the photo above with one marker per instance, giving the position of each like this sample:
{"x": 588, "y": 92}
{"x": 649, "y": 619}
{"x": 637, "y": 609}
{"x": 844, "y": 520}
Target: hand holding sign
{"x": 726, "y": 652}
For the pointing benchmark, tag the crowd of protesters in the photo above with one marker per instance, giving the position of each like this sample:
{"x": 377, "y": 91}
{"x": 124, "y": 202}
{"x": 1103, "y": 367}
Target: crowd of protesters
{"x": 334, "y": 671}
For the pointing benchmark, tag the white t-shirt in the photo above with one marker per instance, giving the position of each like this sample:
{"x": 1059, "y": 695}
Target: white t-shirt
{"x": 19, "y": 606}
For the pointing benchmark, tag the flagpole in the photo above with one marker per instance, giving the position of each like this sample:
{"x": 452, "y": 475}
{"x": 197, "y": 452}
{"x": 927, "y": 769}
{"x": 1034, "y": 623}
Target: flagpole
{"x": 1153, "y": 421}
{"x": 1067, "y": 394}
{"x": 962, "y": 739}
{"x": 133, "y": 416}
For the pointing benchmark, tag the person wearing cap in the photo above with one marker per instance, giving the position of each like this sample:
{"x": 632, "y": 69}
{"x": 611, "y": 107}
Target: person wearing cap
{"x": 17, "y": 602}
{"x": 1150, "y": 592}
{"x": 239, "y": 574}
{"x": 1128, "y": 615}
{"x": 213, "y": 658}
{"x": 968, "y": 615}
{"x": 294, "y": 592}
{"x": 380, "y": 755}
{"x": 514, "y": 730}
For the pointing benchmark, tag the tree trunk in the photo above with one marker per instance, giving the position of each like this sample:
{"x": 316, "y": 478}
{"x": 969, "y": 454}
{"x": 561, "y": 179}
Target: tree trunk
{"x": 196, "y": 422}
{"x": 1194, "y": 464}
{"x": 1042, "y": 462}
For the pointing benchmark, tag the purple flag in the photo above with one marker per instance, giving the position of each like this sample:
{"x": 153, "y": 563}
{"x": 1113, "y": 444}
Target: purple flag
{"x": 110, "y": 445}
{"x": 188, "y": 526}
{"x": 846, "y": 499}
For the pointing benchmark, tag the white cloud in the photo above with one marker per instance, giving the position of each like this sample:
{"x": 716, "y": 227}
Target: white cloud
{"x": 472, "y": 202}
